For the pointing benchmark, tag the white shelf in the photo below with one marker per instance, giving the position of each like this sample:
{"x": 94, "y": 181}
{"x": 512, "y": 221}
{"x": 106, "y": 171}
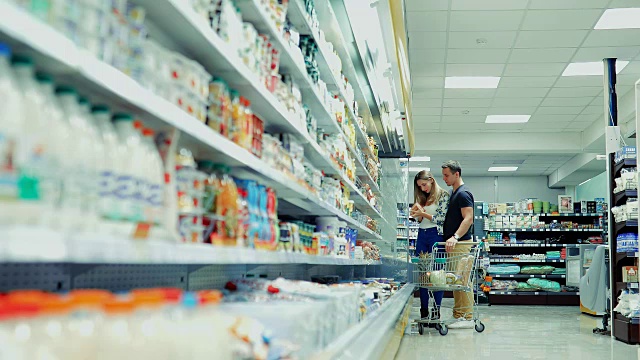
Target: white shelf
{"x": 535, "y": 245}
{"x": 543, "y": 230}
{"x": 54, "y": 53}
{"x": 370, "y": 337}
{"x": 52, "y": 247}
{"x": 526, "y": 261}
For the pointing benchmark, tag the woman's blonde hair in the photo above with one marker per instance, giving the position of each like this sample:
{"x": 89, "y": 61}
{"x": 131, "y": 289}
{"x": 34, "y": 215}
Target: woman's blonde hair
{"x": 420, "y": 196}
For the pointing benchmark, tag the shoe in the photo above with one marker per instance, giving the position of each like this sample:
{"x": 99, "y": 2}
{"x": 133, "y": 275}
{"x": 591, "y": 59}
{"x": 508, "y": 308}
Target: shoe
{"x": 461, "y": 324}
{"x": 424, "y": 313}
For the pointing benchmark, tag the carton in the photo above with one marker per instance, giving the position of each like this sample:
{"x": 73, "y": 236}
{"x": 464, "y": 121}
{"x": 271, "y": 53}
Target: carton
{"x": 630, "y": 274}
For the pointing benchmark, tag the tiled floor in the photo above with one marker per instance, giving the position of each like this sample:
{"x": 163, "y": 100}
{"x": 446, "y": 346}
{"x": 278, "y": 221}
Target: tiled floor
{"x": 520, "y": 332}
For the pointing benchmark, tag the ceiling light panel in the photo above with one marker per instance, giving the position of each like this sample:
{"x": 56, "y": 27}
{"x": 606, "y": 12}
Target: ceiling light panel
{"x": 503, "y": 168}
{"x": 507, "y": 119}
{"x": 595, "y": 68}
{"x": 628, "y": 18}
{"x": 471, "y": 82}
{"x": 420, "y": 158}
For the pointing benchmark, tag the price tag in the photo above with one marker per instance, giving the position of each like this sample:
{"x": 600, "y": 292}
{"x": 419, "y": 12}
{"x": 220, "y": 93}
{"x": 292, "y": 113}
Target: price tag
{"x": 532, "y": 276}
{"x": 544, "y": 276}
{"x": 536, "y": 293}
{"x": 563, "y": 276}
{"x": 511, "y": 276}
{"x": 524, "y": 229}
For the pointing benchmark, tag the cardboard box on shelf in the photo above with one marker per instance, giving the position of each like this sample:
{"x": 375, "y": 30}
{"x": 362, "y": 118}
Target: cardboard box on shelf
{"x": 502, "y": 208}
{"x": 630, "y": 274}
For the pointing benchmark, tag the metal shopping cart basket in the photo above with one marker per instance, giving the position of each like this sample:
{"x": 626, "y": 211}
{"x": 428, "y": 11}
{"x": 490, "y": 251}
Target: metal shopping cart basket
{"x": 449, "y": 271}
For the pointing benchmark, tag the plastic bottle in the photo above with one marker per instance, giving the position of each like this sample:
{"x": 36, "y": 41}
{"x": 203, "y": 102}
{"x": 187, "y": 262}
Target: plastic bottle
{"x": 11, "y": 126}
{"x": 36, "y": 160}
{"x": 79, "y": 189}
{"x": 108, "y": 203}
{"x": 237, "y": 112}
{"x": 247, "y": 130}
{"x": 128, "y": 182}
{"x": 60, "y": 136}
{"x": 155, "y": 177}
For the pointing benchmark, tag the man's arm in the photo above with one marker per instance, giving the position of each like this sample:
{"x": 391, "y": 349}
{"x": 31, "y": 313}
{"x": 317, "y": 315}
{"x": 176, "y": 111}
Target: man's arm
{"x": 467, "y": 221}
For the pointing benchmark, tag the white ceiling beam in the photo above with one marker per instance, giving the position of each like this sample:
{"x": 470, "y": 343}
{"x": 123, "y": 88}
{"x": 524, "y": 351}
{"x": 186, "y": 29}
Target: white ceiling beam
{"x": 497, "y": 143}
{"x": 580, "y": 168}
{"x": 593, "y": 136}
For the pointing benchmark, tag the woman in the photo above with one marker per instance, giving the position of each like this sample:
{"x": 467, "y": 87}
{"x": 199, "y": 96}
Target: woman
{"x": 429, "y": 209}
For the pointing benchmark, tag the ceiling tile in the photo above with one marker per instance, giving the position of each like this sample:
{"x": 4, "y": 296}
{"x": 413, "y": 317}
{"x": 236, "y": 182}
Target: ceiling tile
{"x": 489, "y": 39}
{"x": 427, "y": 21}
{"x": 590, "y": 118}
{"x": 579, "y": 81}
{"x": 426, "y": 94}
{"x": 517, "y": 102}
{"x": 430, "y": 56}
{"x": 485, "y": 20}
{"x": 561, "y": 19}
{"x": 521, "y": 92}
{"x": 526, "y": 82}
{"x": 479, "y": 56}
{"x": 427, "y": 82}
{"x": 621, "y": 37}
{"x": 632, "y": 68}
{"x": 475, "y": 69}
{"x": 599, "y": 53}
{"x": 627, "y": 79}
{"x": 430, "y": 111}
{"x": 466, "y": 103}
{"x": 541, "y": 55}
{"x": 422, "y": 103}
{"x": 546, "y": 125}
{"x": 593, "y": 110}
{"x": 511, "y": 110}
{"x": 465, "y": 111}
{"x": 426, "y": 120}
{"x": 575, "y": 92}
{"x": 550, "y": 39}
{"x": 539, "y": 118}
{"x": 427, "y": 70}
{"x": 556, "y": 110}
{"x": 488, "y": 4}
{"x": 469, "y": 93}
{"x": 467, "y": 127}
{"x": 427, "y": 40}
{"x": 565, "y": 101}
{"x": 463, "y": 119}
{"x": 578, "y": 126}
{"x": 567, "y": 4}
{"x": 550, "y": 69}
{"x": 421, "y": 5}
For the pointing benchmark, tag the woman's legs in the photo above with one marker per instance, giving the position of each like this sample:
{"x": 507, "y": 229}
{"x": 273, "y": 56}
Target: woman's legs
{"x": 423, "y": 248}
{"x": 432, "y": 238}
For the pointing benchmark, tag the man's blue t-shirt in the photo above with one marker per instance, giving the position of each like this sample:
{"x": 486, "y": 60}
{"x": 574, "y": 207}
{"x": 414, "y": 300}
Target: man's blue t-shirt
{"x": 460, "y": 198}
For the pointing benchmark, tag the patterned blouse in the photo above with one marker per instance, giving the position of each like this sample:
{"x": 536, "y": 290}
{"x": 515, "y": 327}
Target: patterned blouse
{"x": 441, "y": 210}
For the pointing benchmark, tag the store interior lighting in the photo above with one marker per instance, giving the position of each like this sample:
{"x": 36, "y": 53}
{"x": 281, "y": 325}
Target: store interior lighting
{"x": 503, "y": 168}
{"x": 471, "y": 82}
{"x": 507, "y": 119}
{"x": 612, "y": 19}
{"x": 595, "y": 68}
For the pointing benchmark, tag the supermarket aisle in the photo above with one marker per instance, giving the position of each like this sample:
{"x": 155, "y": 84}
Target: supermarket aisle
{"x": 520, "y": 332}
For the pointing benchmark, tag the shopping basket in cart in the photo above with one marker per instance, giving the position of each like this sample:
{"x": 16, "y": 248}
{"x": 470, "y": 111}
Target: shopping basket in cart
{"x": 450, "y": 271}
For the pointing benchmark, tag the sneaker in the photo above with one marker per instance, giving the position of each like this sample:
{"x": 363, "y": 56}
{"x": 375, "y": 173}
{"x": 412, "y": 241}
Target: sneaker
{"x": 461, "y": 324}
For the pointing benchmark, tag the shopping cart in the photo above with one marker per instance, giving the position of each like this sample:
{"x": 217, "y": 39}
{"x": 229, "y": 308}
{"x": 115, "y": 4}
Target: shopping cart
{"x": 449, "y": 271}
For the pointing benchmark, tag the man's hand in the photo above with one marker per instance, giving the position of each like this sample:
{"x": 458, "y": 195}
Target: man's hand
{"x": 451, "y": 244}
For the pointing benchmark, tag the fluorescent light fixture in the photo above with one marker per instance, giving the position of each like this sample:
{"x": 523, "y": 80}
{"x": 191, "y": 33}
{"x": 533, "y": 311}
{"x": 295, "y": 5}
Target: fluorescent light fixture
{"x": 595, "y": 68}
{"x": 420, "y": 158}
{"x": 471, "y": 82}
{"x": 507, "y": 119}
{"x": 418, "y": 169}
{"x": 503, "y": 168}
{"x": 628, "y": 18}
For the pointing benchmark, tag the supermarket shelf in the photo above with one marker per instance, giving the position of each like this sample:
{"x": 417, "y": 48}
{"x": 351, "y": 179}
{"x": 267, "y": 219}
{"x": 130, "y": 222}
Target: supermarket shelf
{"x": 369, "y": 338}
{"x": 535, "y": 245}
{"x": 535, "y": 293}
{"x": 623, "y": 195}
{"x": 98, "y": 250}
{"x": 56, "y": 54}
{"x": 623, "y": 164}
{"x": 526, "y": 261}
{"x": 401, "y": 226}
{"x": 544, "y": 230}
{"x": 556, "y": 214}
{"x": 629, "y": 225}
{"x": 527, "y": 276}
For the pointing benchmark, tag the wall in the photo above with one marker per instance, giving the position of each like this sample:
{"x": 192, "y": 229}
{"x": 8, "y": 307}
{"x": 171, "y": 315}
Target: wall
{"x": 596, "y": 187}
{"x": 507, "y": 189}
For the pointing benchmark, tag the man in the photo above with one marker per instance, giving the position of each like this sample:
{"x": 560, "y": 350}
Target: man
{"x": 457, "y": 228}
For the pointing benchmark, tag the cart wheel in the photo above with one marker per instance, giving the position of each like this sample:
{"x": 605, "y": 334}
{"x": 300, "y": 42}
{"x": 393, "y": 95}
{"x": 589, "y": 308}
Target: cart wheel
{"x": 420, "y": 329}
{"x": 479, "y": 326}
{"x": 444, "y": 330}
{"x": 438, "y": 327}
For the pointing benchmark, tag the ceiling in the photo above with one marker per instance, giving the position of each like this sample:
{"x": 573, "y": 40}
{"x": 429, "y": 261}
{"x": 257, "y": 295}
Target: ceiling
{"x": 528, "y": 43}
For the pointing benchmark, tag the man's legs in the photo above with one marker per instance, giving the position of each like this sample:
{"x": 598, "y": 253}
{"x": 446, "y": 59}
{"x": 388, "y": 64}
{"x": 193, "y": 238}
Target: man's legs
{"x": 463, "y": 301}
